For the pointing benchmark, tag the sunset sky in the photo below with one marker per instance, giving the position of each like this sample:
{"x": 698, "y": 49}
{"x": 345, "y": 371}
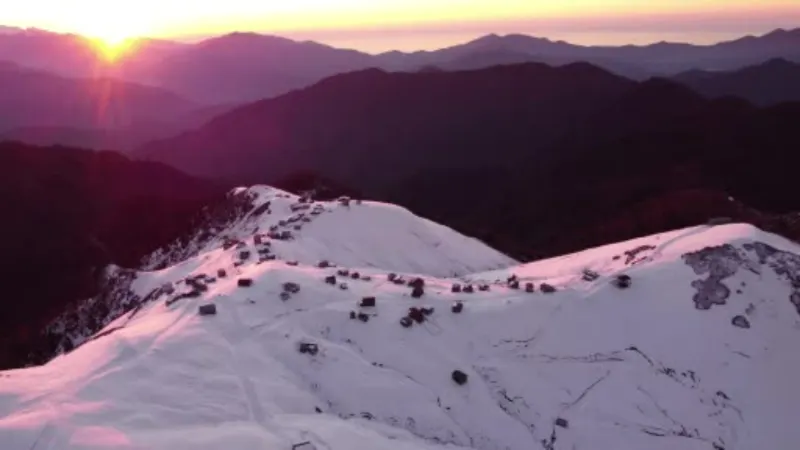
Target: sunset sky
{"x": 376, "y": 25}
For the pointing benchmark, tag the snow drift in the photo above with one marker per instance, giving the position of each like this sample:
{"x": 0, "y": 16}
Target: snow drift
{"x": 696, "y": 350}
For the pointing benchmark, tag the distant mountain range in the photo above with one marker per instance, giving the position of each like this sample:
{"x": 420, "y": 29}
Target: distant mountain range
{"x": 769, "y": 83}
{"x": 242, "y": 67}
{"x": 513, "y": 154}
{"x": 630, "y": 60}
{"x": 57, "y": 91}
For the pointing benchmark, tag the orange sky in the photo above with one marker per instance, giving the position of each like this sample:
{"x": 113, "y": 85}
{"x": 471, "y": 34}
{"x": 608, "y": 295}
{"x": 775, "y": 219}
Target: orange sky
{"x": 419, "y": 23}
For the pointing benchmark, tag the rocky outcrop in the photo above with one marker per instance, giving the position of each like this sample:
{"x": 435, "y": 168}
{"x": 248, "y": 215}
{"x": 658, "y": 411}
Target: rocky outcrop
{"x": 722, "y": 262}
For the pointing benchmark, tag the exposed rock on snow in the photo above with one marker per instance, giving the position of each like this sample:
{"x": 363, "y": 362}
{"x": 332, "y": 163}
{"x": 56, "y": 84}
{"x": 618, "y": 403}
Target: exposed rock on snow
{"x": 585, "y": 367}
{"x": 724, "y": 261}
{"x": 459, "y": 377}
{"x": 741, "y": 322}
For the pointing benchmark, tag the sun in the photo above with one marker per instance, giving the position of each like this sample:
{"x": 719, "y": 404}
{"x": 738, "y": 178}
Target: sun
{"x": 113, "y": 47}
{"x": 113, "y": 44}
{"x": 111, "y": 33}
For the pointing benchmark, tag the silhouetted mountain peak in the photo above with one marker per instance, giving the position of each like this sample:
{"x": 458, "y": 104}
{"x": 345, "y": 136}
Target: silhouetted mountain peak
{"x": 512, "y": 42}
{"x": 10, "y": 30}
{"x": 263, "y": 41}
{"x": 662, "y": 96}
{"x": 582, "y": 67}
{"x": 518, "y": 37}
{"x": 768, "y": 83}
{"x": 783, "y": 33}
{"x": 778, "y": 63}
{"x": 664, "y": 45}
{"x": 244, "y": 38}
{"x": 493, "y": 37}
{"x": 241, "y": 35}
{"x": 357, "y": 76}
{"x": 659, "y": 84}
{"x": 778, "y": 37}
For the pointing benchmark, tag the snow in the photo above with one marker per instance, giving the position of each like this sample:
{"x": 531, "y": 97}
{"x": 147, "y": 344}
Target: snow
{"x": 625, "y": 369}
{"x": 366, "y": 235}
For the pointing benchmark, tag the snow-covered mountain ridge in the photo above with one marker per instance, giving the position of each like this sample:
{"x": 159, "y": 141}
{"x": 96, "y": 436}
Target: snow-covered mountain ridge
{"x": 683, "y": 340}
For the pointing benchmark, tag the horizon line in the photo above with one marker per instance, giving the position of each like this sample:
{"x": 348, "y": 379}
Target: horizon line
{"x": 190, "y": 39}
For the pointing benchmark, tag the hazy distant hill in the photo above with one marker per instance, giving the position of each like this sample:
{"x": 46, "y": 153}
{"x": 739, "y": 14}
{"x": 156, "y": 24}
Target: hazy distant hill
{"x": 122, "y": 139}
{"x": 247, "y": 66}
{"x": 40, "y": 108}
{"x": 772, "y": 82}
{"x": 35, "y": 98}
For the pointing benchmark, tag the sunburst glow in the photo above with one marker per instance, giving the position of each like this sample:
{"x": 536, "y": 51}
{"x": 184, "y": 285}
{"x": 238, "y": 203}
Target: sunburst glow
{"x": 111, "y": 47}
{"x": 112, "y": 27}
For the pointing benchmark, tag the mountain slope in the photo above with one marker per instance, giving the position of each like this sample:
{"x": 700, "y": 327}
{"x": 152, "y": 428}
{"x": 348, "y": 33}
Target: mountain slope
{"x": 383, "y": 236}
{"x": 118, "y": 139}
{"x": 659, "y": 365}
{"x": 67, "y": 214}
{"x": 372, "y": 127}
{"x": 676, "y": 170}
{"x": 770, "y": 83}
